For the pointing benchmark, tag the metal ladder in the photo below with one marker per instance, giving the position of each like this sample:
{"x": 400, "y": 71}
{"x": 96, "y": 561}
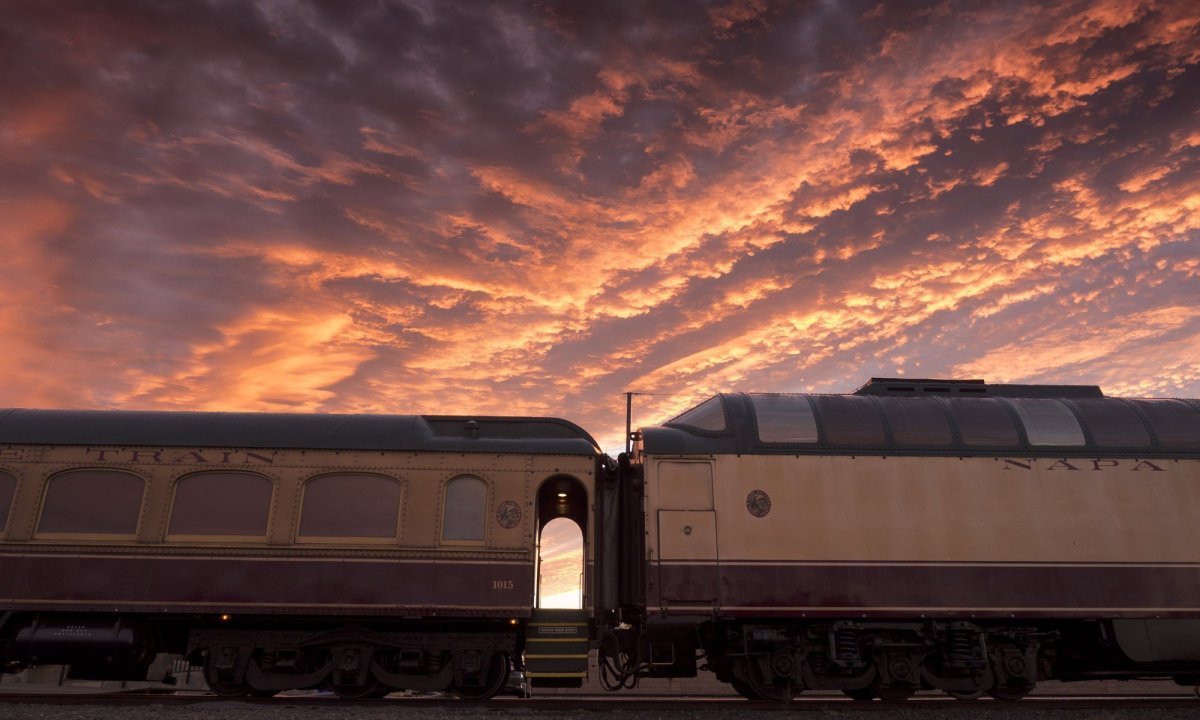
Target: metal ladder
{"x": 556, "y": 648}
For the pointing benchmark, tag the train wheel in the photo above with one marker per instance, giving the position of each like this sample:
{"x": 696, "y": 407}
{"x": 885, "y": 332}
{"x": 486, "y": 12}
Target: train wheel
{"x": 767, "y": 689}
{"x": 862, "y": 694}
{"x": 743, "y": 688}
{"x": 496, "y": 677}
{"x": 965, "y": 696}
{"x": 223, "y": 688}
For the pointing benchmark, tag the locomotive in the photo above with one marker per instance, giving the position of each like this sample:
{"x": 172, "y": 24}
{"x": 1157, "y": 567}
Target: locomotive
{"x": 955, "y": 535}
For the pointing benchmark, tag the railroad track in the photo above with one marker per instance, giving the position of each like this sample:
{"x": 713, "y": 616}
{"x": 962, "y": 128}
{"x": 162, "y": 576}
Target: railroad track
{"x": 628, "y": 702}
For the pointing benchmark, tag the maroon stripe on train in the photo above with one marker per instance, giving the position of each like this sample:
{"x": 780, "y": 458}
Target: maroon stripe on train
{"x": 989, "y": 589}
{"x": 197, "y": 583}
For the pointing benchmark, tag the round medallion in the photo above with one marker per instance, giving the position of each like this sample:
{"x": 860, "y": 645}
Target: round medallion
{"x": 508, "y": 514}
{"x": 758, "y": 503}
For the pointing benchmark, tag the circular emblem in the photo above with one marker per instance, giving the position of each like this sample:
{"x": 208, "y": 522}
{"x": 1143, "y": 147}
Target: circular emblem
{"x": 508, "y": 514}
{"x": 758, "y": 503}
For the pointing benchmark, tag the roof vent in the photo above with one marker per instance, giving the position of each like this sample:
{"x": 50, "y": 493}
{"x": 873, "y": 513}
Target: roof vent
{"x": 912, "y": 387}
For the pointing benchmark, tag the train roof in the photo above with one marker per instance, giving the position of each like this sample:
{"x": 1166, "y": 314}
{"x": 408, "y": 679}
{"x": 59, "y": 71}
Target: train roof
{"x": 891, "y": 416}
{"x": 444, "y": 433}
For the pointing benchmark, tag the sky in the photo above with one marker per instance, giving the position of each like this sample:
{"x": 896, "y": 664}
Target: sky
{"x": 530, "y": 208}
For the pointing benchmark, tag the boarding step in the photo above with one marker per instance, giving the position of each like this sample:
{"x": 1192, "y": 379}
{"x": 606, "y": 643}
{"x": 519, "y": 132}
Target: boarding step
{"x": 556, "y": 648}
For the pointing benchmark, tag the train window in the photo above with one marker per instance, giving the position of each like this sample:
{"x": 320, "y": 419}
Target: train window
{"x": 1113, "y": 423}
{"x": 917, "y": 421}
{"x": 1048, "y": 421}
{"x": 350, "y": 505}
{"x": 8, "y": 486}
{"x": 1176, "y": 423}
{"x": 102, "y": 502}
{"x": 466, "y": 508}
{"x": 221, "y": 503}
{"x": 708, "y": 415}
{"x": 983, "y": 421}
{"x": 850, "y": 420}
{"x": 785, "y": 418}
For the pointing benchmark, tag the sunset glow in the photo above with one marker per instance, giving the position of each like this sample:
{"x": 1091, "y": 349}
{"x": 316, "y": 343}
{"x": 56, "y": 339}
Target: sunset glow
{"x": 531, "y": 208}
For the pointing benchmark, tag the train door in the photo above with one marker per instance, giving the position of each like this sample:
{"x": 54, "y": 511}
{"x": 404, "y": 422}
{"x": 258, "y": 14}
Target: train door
{"x": 688, "y": 571}
{"x": 562, "y": 544}
{"x": 556, "y": 638}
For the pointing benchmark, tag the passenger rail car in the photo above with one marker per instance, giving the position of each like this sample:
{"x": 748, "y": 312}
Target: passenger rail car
{"x": 954, "y": 535}
{"x": 360, "y": 554}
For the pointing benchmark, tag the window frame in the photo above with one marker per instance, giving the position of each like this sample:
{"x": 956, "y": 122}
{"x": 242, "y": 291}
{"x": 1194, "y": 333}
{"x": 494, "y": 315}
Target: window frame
{"x": 7, "y": 511}
{"x": 1042, "y": 417}
{"x": 168, "y": 536}
{"x": 760, "y": 410}
{"x": 39, "y": 534}
{"x": 299, "y": 539}
{"x": 679, "y": 421}
{"x": 445, "y": 505}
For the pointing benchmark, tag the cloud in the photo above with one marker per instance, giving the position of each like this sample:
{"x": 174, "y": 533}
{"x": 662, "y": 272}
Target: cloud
{"x": 454, "y": 207}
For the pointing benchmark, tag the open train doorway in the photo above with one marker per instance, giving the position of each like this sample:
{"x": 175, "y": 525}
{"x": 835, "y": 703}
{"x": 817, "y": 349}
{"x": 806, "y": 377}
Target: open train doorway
{"x": 561, "y": 546}
{"x": 556, "y": 637}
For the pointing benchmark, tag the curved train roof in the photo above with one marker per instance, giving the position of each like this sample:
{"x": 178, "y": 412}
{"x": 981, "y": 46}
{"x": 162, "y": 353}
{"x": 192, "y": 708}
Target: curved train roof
{"x": 295, "y": 430}
{"x": 935, "y": 417}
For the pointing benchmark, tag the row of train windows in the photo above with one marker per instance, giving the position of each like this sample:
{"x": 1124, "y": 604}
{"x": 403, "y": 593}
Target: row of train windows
{"x": 238, "y": 504}
{"x": 1048, "y": 422}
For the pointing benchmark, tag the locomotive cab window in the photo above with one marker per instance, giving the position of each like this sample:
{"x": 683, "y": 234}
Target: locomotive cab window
{"x": 92, "y": 502}
{"x": 8, "y": 486}
{"x": 465, "y": 510}
{"x": 785, "y": 418}
{"x": 708, "y": 415}
{"x": 358, "y": 507}
{"x": 227, "y": 504}
{"x": 1048, "y": 422}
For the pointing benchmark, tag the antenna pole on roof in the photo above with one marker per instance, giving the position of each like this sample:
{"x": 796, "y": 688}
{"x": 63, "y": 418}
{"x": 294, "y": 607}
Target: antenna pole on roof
{"x": 628, "y": 420}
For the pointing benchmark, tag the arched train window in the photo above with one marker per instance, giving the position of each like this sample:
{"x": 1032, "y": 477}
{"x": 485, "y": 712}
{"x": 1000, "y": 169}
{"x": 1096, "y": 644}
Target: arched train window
{"x": 100, "y": 502}
{"x": 235, "y": 504}
{"x": 463, "y": 518}
{"x": 350, "y": 505}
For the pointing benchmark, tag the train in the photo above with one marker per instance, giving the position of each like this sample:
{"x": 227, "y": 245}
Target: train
{"x": 956, "y": 535}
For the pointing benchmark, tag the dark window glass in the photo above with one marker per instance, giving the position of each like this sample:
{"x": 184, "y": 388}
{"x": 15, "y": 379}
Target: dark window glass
{"x": 1113, "y": 423}
{"x": 350, "y": 505}
{"x": 92, "y": 501}
{"x": 917, "y": 421}
{"x": 1176, "y": 423}
{"x": 221, "y": 503}
{"x": 983, "y": 421}
{"x": 785, "y": 418}
{"x": 1048, "y": 421}
{"x": 8, "y": 485}
{"x": 466, "y": 508}
{"x": 850, "y": 420}
{"x": 708, "y": 415}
